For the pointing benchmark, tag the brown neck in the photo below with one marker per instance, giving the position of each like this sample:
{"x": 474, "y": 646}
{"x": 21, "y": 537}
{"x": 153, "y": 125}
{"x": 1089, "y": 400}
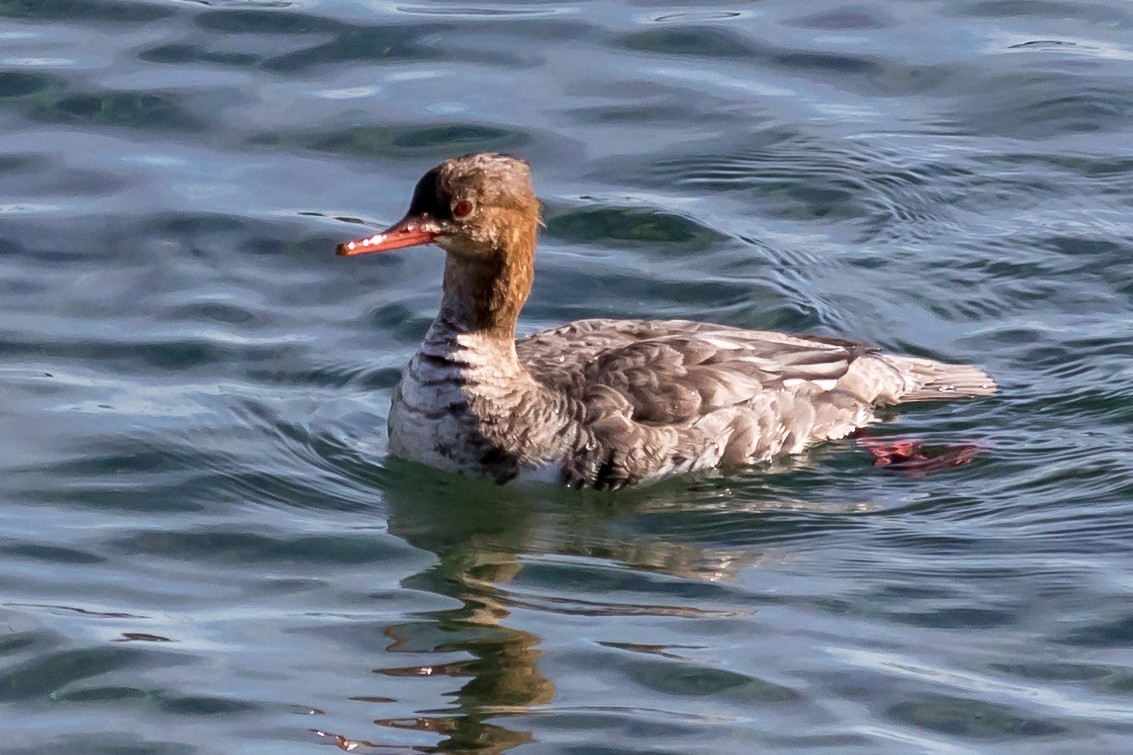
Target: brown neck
{"x": 484, "y": 293}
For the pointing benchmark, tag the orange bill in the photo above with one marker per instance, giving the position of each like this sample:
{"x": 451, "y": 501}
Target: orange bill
{"x": 406, "y": 232}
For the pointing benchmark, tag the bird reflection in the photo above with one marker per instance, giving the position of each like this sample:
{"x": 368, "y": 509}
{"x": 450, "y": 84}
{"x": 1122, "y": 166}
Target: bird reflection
{"x": 477, "y": 533}
{"x": 482, "y": 536}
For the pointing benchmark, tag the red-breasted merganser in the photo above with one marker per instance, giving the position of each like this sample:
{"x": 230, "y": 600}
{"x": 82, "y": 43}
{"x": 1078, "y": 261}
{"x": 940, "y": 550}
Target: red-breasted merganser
{"x": 607, "y": 403}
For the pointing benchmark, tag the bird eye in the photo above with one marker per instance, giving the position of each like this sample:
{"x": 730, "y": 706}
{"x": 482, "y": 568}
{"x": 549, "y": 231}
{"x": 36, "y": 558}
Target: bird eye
{"x": 462, "y": 208}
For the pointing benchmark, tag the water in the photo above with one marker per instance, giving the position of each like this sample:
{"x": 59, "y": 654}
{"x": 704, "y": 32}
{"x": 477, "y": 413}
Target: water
{"x": 205, "y": 548}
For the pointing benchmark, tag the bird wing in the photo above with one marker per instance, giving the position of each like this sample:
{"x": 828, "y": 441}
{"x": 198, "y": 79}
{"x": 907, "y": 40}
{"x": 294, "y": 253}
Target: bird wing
{"x": 673, "y": 372}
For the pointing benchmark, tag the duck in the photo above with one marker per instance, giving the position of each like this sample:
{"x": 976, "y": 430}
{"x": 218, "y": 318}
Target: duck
{"x": 607, "y": 403}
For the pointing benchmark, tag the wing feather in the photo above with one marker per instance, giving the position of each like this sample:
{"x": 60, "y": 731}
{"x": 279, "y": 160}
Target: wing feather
{"x": 675, "y": 371}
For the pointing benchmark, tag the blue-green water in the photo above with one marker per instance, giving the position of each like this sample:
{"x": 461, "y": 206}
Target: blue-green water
{"x": 203, "y": 547}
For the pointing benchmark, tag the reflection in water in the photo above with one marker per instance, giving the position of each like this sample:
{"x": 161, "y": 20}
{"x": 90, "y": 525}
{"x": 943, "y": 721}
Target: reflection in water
{"x": 477, "y": 541}
{"x": 484, "y": 536}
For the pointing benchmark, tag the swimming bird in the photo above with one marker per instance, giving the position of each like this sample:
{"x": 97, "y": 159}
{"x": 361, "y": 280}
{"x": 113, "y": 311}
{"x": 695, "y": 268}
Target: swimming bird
{"x": 607, "y": 403}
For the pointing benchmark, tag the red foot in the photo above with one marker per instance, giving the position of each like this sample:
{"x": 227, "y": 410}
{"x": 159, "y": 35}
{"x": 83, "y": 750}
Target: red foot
{"x": 915, "y": 458}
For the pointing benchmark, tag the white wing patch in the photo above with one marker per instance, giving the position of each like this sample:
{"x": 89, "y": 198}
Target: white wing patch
{"x": 826, "y": 384}
{"x": 721, "y": 343}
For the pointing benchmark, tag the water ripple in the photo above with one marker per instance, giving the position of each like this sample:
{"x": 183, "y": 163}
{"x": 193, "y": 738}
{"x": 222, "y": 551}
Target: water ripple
{"x": 207, "y": 547}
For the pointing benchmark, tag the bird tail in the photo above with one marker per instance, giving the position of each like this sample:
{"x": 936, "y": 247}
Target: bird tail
{"x": 936, "y": 381}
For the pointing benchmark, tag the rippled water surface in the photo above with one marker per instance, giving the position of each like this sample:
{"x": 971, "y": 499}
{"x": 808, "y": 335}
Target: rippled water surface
{"x": 206, "y": 549}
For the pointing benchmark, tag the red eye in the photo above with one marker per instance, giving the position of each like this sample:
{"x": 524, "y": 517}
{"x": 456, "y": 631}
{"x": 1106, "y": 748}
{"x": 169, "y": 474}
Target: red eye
{"x": 462, "y": 208}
